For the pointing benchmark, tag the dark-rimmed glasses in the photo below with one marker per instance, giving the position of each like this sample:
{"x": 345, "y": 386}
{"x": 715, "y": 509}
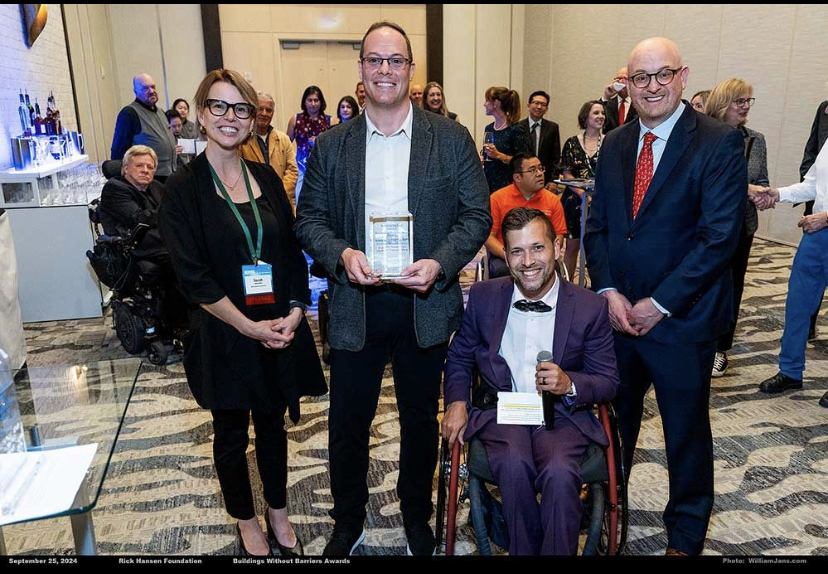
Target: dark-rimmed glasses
{"x": 396, "y": 62}
{"x": 242, "y": 110}
{"x": 745, "y": 102}
{"x": 663, "y": 77}
{"x": 534, "y": 170}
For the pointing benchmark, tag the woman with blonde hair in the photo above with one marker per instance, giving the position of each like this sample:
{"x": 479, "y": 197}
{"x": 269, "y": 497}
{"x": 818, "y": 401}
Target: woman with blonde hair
{"x": 434, "y": 100}
{"x": 503, "y": 137}
{"x": 228, "y": 226}
{"x": 730, "y": 102}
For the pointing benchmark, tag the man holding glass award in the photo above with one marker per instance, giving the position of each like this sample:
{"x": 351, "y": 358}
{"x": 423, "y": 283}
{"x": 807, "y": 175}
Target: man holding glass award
{"x": 394, "y": 205}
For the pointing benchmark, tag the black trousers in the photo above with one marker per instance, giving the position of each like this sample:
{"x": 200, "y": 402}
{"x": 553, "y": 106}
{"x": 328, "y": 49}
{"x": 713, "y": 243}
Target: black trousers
{"x": 356, "y": 378}
{"x": 680, "y": 375}
{"x": 230, "y": 443}
{"x": 738, "y": 269}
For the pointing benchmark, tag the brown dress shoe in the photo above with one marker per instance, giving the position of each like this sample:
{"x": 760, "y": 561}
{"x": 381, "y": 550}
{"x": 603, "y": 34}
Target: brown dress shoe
{"x": 674, "y": 552}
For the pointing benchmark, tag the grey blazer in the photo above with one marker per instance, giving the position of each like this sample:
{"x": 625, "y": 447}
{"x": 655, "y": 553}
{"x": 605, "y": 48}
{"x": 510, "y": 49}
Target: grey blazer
{"x": 756, "y": 153}
{"x": 447, "y": 194}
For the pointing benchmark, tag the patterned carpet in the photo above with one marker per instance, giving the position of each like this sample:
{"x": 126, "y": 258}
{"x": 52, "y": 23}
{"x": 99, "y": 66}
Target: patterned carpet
{"x": 161, "y": 495}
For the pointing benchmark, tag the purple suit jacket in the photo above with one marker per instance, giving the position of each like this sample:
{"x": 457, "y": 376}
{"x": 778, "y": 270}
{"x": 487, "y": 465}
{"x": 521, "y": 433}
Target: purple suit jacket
{"x": 582, "y": 347}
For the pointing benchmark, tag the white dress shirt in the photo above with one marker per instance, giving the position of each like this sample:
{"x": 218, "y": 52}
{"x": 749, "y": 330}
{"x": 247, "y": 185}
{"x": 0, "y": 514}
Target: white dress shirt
{"x": 662, "y": 132}
{"x": 527, "y": 333}
{"x": 813, "y": 187}
{"x": 386, "y": 171}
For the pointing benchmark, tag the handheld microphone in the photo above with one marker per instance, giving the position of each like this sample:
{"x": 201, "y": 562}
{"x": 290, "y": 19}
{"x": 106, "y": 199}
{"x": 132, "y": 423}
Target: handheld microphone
{"x": 547, "y": 397}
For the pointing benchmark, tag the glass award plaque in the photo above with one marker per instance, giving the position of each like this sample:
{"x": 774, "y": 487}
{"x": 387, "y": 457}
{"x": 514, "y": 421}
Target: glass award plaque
{"x": 390, "y": 243}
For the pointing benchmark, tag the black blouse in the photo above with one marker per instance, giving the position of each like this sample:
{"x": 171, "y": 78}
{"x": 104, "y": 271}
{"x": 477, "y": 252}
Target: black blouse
{"x": 225, "y": 369}
{"x": 509, "y": 141}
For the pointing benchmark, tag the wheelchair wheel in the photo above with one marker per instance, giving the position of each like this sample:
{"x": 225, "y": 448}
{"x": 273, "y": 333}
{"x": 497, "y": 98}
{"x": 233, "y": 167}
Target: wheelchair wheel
{"x": 129, "y": 329}
{"x": 157, "y": 353}
{"x": 442, "y": 494}
{"x": 597, "y": 522}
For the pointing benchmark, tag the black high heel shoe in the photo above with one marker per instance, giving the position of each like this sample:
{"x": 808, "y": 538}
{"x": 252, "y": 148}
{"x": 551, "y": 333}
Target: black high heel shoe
{"x": 297, "y": 549}
{"x": 244, "y": 549}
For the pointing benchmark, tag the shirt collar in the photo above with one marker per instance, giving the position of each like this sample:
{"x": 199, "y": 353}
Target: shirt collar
{"x": 551, "y": 298}
{"x": 405, "y": 128}
{"x": 533, "y": 122}
{"x": 665, "y": 128}
{"x": 152, "y": 108}
{"x": 267, "y": 135}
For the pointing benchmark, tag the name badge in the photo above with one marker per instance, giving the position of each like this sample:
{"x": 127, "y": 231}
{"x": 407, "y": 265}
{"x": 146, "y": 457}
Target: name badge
{"x": 519, "y": 409}
{"x": 258, "y": 284}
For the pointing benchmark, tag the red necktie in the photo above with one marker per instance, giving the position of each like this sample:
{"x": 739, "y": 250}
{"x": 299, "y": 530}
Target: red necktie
{"x": 643, "y": 172}
{"x": 621, "y": 113}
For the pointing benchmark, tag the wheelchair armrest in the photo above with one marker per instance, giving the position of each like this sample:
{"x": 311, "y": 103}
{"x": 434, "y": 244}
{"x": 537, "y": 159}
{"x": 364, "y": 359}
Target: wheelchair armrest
{"x": 110, "y": 239}
{"x": 136, "y": 236}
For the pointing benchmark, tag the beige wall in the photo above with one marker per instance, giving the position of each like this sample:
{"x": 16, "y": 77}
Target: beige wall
{"x": 780, "y": 49}
{"x": 251, "y": 36}
{"x": 481, "y": 48}
{"x": 111, "y": 43}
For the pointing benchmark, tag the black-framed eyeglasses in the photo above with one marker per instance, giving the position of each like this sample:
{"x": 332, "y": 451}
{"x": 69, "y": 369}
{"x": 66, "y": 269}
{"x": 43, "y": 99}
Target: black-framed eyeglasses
{"x": 745, "y": 102}
{"x": 396, "y": 62}
{"x": 534, "y": 170}
{"x": 663, "y": 77}
{"x": 241, "y": 110}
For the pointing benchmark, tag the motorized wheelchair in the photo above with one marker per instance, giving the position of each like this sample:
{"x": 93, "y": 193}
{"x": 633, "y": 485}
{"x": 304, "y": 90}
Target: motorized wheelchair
{"x": 137, "y": 286}
{"x": 605, "y": 494}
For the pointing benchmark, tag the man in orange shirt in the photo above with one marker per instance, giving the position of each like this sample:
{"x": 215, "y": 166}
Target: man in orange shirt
{"x": 527, "y": 190}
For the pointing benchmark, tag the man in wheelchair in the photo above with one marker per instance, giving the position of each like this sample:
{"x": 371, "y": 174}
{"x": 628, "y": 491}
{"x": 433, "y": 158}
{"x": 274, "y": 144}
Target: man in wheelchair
{"x": 133, "y": 198}
{"x": 507, "y": 322}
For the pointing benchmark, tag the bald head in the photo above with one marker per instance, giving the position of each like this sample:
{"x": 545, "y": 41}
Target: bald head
{"x": 656, "y": 61}
{"x": 144, "y": 87}
{"x": 663, "y": 47}
{"x": 416, "y": 94}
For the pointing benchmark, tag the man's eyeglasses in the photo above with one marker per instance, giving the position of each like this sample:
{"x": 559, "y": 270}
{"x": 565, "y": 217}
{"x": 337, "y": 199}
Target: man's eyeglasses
{"x": 663, "y": 77}
{"x": 242, "y": 110}
{"x": 534, "y": 170}
{"x": 745, "y": 102}
{"x": 396, "y": 62}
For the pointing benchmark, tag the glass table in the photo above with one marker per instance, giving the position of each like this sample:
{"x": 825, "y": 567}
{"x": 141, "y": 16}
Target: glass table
{"x": 58, "y": 407}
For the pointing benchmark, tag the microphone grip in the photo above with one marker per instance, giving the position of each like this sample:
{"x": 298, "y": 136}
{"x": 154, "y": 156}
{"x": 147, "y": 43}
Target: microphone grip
{"x": 548, "y": 409}
{"x": 547, "y": 398}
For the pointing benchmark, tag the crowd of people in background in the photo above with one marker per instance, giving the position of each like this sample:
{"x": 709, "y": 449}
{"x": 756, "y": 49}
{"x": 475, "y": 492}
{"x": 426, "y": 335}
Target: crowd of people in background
{"x": 688, "y": 260}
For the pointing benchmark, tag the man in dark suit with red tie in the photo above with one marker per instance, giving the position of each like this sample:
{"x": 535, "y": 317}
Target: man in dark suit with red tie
{"x": 617, "y": 102}
{"x": 665, "y": 220}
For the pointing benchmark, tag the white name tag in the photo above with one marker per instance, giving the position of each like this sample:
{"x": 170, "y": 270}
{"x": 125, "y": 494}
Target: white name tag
{"x": 258, "y": 279}
{"x": 519, "y": 409}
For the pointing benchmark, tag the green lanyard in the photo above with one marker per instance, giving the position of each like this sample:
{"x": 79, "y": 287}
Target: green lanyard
{"x": 257, "y": 253}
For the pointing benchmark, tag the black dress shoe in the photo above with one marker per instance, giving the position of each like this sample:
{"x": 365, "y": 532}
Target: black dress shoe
{"x": 296, "y": 550}
{"x": 779, "y": 383}
{"x": 421, "y": 540}
{"x": 823, "y": 402}
{"x": 244, "y": 549}
{"x": 344, "y": 540}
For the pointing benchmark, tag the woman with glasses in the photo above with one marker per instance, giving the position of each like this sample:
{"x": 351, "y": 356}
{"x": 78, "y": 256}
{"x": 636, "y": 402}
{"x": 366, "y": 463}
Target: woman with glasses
{"x": 503, "y": 137}
{"x": 434, "y": 101}
{"x": 579, "y": 160}
{"x": 228, "y": 226}
{"x": 347, "y": 109}
{"x": 699, "y": 99}
{"x": 305, "y": 126}
{"x": 730, "y": 102}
